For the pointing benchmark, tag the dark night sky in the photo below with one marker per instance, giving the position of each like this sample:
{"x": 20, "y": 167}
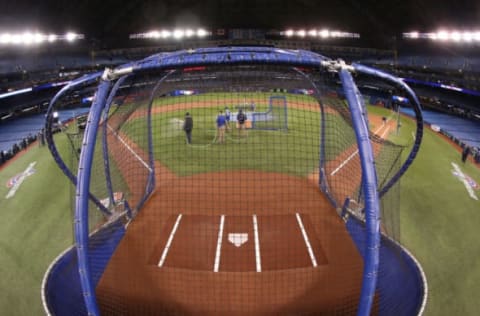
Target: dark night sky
{"x": 101, "y": 18}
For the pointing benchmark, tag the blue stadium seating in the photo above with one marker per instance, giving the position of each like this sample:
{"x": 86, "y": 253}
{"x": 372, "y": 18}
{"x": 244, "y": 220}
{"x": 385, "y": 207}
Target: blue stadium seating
{"x": 14, "y": 131}
{"x": 466, "y": 131}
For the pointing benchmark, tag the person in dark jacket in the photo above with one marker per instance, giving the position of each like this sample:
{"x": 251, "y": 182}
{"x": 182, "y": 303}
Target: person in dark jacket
{"x": 465, "y": 153}
{"x": 241, "y": 119}
{"x": 188, "y": 127}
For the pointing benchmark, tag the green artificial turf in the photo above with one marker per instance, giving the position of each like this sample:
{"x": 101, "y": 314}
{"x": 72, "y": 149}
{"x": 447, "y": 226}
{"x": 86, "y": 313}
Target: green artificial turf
{"x": 439, "y": 221}
{"x": 294, "y": 151}
{"x": 35, "y": 227}
{"x": 439, "y": 224}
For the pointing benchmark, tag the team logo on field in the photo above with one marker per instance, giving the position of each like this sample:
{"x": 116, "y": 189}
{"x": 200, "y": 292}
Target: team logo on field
{"x": 14, "y": 182}
{"x": 471, "y": 182}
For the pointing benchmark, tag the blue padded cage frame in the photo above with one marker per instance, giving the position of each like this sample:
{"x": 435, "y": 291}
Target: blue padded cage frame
{"x": 370, "y": 248}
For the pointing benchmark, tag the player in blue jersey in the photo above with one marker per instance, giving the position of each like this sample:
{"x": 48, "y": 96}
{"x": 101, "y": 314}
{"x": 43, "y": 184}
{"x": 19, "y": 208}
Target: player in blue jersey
{"x": 221, "y": 125}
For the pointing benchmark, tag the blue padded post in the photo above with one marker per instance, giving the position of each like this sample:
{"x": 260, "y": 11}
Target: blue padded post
{"x": 229, "y": 56}
{"x": 369, "y": 184}
{"x": 106, "y": 160}
{"x": 418, "y": 115}
{"x": 87, "y": 79}
{"x": 81, "y": 206}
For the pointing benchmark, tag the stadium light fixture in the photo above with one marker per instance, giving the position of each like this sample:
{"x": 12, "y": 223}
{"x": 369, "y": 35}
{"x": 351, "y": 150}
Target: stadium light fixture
{"x": 154, "y": 34}
{"x": 324, "y": 33}
{"x": 70, "y": 36}
{"x": 456, "y": 36}
{"x": 414, "y": 34}
{"x": 52, "y": 38}
{"x": 178, "y": 34}
{"x": 28, "y": 38}
{"x": 476, "y": 36}
{"x": 5, "y": 38}
{"x": 443, "y": 35}
{"x": 16, "y": 39}
{"x": 166, "y": 34}
{"x": 446, "y": 36}
{"x": 467, "y": 36}
{"x": 301, "y": 33}
{"x": 38, "y": 38}
{"x": 201, "y": 33}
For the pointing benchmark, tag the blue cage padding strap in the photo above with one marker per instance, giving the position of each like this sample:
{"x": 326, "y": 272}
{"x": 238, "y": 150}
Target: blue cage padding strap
{"x": 85, "y": 80}
{"x": 418, "y": 115}
{"x": 369, "y": 184}
{"x": 81, "y": 205}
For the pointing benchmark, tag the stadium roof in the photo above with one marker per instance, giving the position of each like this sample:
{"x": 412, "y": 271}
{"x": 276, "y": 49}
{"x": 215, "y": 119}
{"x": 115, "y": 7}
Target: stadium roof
{"x": 109, "y": 18}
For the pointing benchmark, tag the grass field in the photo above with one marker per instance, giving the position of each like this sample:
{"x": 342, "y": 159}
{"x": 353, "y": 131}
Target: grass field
{"x": 294, "y": 152}
{"x": 35, "y": 228}
{"x": 438, "y": 221}
{"x": 439, "y": 224}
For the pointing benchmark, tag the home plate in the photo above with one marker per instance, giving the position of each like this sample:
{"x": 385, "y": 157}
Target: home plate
{"x": 238, "y": 239}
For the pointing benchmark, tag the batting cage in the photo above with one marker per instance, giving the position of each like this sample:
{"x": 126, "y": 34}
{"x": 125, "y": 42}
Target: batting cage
{"x": 235, "y": 181}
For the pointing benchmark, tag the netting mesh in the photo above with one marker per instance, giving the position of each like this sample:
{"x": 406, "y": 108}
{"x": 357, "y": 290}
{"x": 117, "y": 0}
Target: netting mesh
{"x": 245, "y": 217}
{"x": 237, "y": 223}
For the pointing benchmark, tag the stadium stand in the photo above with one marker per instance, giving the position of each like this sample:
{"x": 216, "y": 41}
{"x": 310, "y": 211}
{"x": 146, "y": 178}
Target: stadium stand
{"x": 17, "y": 134}
{"x": 460, "y": 130}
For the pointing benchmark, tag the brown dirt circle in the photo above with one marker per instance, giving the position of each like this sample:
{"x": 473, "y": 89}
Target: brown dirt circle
{"x": 135, "y": 282}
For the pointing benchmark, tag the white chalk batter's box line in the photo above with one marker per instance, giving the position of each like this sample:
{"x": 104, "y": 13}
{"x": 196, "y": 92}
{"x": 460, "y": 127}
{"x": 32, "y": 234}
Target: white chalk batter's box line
{"x": 238, "y": 239}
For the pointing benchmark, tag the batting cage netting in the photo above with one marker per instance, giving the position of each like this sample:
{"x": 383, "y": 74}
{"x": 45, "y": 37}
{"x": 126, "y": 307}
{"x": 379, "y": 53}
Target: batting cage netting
{"x": 235, "y": 181}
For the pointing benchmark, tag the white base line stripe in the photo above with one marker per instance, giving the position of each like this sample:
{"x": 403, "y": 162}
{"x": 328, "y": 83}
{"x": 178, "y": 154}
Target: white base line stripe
{"x": 462, "y": 178}
{"x": 129, "y": 148}
{"x": 258, "y": 260}
{"x": 219, "y": 244}
{"x": 344, "y": 163}
{"x": 378, "y": 129}
{"x": 385, "y": 132}
{"x": 352, "y": 155}
{"x": 169, "y": 241}
{"x": 307, "y": 241}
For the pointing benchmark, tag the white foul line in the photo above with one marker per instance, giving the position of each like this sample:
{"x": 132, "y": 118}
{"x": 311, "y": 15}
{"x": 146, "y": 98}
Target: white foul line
{"x": 344, "y": 163}
{"x": 462, "y": 178}
{"x": 307, "y": 241}
{"x": 378, "y": 129}
{"x": 219, "y": 244}
{"x": 353, "y": 154}
{"x": 383, "y": 134}
{"x": 258, "y": 260}
{"x": 130, "y": 148}
{"x": 169, "y": 241}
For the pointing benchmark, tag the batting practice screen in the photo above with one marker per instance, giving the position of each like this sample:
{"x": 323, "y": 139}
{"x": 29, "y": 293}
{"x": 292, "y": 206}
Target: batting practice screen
{"x": 233, "y": 186}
